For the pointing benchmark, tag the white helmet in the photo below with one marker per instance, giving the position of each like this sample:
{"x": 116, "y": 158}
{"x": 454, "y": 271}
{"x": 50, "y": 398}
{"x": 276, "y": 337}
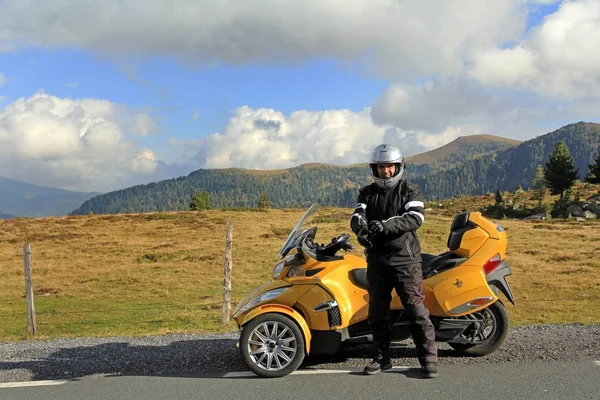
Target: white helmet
{"x": 386, "y": 154}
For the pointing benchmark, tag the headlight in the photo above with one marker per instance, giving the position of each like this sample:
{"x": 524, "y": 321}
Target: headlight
{"x": 271, "y": 294}
{"x": 280, "y": 265}
{"x": 296, "y": 272}
{"x": 277, "y": 270}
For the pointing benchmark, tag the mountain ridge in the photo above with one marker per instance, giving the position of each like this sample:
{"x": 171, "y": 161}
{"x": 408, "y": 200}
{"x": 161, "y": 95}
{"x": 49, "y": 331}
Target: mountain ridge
{"x": 465, "y": 167}
{"x": 22, "y": 199}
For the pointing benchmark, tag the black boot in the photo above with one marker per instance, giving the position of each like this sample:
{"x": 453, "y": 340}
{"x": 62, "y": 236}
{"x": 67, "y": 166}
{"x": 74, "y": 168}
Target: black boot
{"x": 429, "y": 370}
{"x": 377, "y": 366}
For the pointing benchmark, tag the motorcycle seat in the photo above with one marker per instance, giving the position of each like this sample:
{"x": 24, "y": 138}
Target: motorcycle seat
{"x": 434, "y": 264}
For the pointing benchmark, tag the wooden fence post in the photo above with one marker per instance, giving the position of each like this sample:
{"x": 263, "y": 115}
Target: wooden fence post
{"x": 29, "y": 289}
{"x": 227, "y": 279}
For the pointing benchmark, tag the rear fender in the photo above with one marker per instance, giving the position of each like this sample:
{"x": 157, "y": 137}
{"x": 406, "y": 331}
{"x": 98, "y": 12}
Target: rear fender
{"x": 497, "y": 278}
{"x": 287, "y": 311}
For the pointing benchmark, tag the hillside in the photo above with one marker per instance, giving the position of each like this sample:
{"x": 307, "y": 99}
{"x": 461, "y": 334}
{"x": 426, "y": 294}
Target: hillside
{"x": 4, "y": 215}
{"x": 27, "y": 200}
{"x": 509, "y": 168}
{"x": 460, "y": 149}
{"x": 462, "y": 168}
{"x": 463, "y": 147}
{"x": 293, "y": 187}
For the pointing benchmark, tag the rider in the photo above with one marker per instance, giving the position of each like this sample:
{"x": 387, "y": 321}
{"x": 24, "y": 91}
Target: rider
{"x": 386, "y": 218}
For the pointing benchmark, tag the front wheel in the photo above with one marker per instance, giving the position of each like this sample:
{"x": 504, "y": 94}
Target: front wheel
{"x": 487, "y": 333}
{"x": 272, "y": 345}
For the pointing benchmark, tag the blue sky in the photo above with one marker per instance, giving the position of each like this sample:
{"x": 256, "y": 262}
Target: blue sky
{"x": 173, "y": 93}
{"x": 158, "y": 93}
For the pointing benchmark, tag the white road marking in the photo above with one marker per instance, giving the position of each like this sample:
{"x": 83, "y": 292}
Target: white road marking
{"x": 30, "y": 384}
{"x": 309, "y": 371}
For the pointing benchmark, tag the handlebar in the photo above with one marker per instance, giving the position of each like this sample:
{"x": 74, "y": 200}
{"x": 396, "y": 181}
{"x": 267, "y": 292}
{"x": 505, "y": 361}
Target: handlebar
{"x": 336, "y": 244}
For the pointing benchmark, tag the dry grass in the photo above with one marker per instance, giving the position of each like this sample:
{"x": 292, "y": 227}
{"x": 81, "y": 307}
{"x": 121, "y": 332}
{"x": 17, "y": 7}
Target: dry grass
{"x": 157, "y": 273}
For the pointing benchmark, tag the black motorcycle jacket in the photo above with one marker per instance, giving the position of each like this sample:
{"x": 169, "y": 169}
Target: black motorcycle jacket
{"x": 401, "y": 211}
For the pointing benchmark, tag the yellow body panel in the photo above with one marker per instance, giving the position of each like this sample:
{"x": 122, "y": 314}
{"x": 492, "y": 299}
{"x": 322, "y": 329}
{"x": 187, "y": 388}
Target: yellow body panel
{"x": 352, "y": 300}
{"x": 466, "y": 282}
{"x": 489, "y": 226}
{"x": 472, "y": 240}
{"x": 265, "y": 287}
{"x": 457, "y": 286}
{"x": 287, "y": 298}
{"x": 285, "y": 310}
{"x": 315, "y": 296}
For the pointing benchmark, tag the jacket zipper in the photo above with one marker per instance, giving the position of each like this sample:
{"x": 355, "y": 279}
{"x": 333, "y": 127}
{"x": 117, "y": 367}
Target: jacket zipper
{"x": 410, "y": 253}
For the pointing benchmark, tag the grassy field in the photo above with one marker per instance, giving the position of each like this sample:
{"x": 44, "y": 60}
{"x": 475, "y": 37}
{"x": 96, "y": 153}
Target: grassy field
{"x": 138, "y": 274}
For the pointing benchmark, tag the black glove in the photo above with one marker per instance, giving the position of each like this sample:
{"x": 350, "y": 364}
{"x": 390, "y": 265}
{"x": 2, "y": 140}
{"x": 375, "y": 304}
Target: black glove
{"x": 363, "y": 238}
{"x": 376, "y": 227}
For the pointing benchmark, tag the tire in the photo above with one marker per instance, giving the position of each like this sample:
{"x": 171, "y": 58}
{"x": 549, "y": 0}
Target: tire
{"x": 483, "y": 343}
{"x": 278, "y": 352}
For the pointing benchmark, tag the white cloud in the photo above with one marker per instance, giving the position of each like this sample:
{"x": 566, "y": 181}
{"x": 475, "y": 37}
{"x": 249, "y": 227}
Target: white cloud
{"x": 543, "y": 2}
{"x": 144, "y": 162}
{"x": 473, "y": 55}
{"x": 436, "y": 105}
{"x": 465, "y": 107}
{"x": 196, "y": 114}
{"x": 73, "y": 144}
{"x": 144, "y": 125}
{"x": 517, "y": 66}
{"x": 72, "y": 84}
{"x": 558, "y": 58}
{"x": 401, "y": 38}
{"x": 417, "y": 118}
{"x": 267, "y": 139}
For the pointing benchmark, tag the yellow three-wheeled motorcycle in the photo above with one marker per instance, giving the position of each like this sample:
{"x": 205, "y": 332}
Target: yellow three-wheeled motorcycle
{"x": 318, "y": 299}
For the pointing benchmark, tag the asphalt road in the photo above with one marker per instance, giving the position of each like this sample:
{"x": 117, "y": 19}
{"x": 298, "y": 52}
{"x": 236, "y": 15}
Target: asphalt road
{"x": 536, "y": 362}
{"x": 519, "y": 380}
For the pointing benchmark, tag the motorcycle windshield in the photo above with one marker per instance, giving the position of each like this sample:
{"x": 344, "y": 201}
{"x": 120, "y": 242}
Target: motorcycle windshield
{"x": 291, "y": 239}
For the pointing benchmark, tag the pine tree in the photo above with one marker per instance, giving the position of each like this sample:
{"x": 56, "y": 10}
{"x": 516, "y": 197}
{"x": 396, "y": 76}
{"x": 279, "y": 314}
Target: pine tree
{"x": 200, "y": 201}
{"x": 539, "y": 186}
{"x": 263, "y": 201}
{"x": 559, "y": 172}
{"x": 498, "y": 198}
{"x": 518, "y": 198}
{"x": 593, "y": 175}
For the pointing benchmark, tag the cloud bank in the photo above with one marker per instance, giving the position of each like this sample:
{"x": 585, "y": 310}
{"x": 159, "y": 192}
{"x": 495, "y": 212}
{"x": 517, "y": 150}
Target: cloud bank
{"x": 81, "y": 144}
{"x": 455, "y": 69}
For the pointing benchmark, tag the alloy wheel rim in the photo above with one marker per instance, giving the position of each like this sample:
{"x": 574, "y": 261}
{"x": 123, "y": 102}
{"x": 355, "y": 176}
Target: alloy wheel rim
{"x": 484, "y": 327}
{"x": 272, "y": 345}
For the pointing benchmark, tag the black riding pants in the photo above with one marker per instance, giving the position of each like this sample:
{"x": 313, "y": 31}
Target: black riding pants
{"x": 407, "y": 280}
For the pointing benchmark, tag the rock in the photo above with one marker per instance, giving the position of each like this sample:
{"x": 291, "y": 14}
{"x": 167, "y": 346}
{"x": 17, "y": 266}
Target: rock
{"x": 594, "y": 199}
{"x": 579, "y": 219}
{"x": 589, "y": 215}
{"x": 575, "y": 210}
{"x": 536, "y": 217}
{"x": 593, "y": 208}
